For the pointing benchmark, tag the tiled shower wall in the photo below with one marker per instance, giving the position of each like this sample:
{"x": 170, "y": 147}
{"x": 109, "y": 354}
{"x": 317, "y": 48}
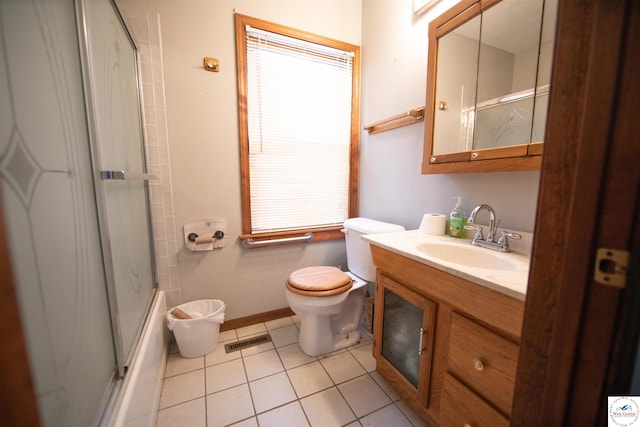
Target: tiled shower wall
{"x": 145, "y": 30}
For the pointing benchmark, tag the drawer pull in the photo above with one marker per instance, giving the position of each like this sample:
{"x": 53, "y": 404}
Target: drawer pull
{"x": 467, "y": 425}
{"x": 420, "y": 349}
{"x": 478, "y": 365}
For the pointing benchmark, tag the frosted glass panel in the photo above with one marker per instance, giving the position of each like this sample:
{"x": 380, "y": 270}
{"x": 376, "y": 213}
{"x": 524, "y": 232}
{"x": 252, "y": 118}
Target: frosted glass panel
{"x": 118, "y": 136}
{"x": 502, "y": 125}
{"x": 401, "y": 335}
{"x": 49, "y": 203}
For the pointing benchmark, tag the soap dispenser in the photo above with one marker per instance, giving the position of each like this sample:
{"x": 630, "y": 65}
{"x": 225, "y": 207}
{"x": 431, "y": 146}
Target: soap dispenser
{"x": 457, "y": 220}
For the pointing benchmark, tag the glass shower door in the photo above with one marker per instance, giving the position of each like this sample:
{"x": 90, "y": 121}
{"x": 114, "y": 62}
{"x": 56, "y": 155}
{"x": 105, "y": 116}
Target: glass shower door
{"x": 50, "y": 212}
{"x": 118, "y": 155}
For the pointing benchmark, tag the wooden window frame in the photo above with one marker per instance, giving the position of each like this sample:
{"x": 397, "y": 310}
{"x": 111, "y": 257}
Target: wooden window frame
{"x": 317, "y": 234}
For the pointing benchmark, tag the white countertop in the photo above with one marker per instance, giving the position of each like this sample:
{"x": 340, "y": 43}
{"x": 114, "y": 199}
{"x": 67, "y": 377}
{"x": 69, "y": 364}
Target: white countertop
{"x": 512, "y": 282}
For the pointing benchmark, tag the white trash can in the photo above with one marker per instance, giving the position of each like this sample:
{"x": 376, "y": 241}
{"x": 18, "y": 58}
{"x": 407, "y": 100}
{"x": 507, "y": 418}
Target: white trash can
{"x": 199, "y": 335}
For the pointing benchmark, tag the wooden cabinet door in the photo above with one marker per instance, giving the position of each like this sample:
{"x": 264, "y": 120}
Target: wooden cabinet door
{"x": 404, "y": 326}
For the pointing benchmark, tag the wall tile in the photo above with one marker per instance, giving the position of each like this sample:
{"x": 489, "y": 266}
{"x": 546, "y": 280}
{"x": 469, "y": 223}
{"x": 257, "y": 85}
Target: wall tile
{"x": 146, "y": 31}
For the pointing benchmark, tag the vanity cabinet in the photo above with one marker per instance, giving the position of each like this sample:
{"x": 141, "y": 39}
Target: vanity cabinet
{"x": 466, "y": 356}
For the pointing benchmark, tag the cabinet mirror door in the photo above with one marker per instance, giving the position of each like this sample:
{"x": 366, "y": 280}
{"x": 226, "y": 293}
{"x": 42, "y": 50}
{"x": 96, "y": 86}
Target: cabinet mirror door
{"x": 456, "y": 94}
{"x": 487, "y": 85}
{"x": 507, "y": 70}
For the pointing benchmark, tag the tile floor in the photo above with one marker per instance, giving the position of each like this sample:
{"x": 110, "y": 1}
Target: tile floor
{"x": 276, "y": 384}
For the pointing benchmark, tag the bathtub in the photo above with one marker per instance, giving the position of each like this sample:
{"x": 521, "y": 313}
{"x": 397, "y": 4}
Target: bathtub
{"x": 139, "y": 394}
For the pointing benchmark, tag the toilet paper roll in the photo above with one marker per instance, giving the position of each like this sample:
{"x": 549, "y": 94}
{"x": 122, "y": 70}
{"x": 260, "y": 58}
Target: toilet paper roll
{"x": 433, "y": 224}
{"x": 201, "y": 240}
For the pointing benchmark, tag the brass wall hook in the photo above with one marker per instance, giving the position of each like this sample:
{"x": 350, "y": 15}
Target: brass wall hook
{"x": 211, "y": 64}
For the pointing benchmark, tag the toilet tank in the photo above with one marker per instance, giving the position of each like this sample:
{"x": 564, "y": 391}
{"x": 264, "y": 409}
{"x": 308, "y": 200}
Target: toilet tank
{"x": 359, "y": 259}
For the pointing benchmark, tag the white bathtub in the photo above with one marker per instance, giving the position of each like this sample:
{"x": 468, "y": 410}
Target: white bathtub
{"x": 139, "y": 397}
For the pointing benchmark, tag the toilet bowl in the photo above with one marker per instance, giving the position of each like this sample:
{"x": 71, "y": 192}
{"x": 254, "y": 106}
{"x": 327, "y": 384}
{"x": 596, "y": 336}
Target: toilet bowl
{"x": 328, "y": 301}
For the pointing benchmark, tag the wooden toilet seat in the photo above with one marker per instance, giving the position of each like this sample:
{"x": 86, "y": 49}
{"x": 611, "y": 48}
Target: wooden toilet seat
{"x": 319, "y": 281}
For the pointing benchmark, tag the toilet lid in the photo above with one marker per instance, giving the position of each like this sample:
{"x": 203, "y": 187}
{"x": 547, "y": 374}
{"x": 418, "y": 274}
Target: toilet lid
{"x": 319, "y": 281}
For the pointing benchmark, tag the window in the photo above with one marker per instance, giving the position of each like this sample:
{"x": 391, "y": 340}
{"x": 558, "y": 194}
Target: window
{"x": 299, "y": 131}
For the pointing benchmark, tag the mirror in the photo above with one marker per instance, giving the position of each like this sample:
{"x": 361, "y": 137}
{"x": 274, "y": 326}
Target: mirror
{"x": 488, "y": 84}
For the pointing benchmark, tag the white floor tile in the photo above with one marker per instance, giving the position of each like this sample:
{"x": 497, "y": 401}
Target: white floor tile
{"x": 219, "y": 355}
{"x": 364, "y": 355}
{"x": 364, "y": 340}
{"x": 240, "y": 384}
{"x": 182, "y": 388}
{"x": 278, "y": 323}
{"x": 342, "y": 367}
{"x": 249, "y": 422}
{"x": 308, "y": 379}
{"x": 271, "y": 391}
{"x": 411, "y": 414}
{"x": 290, "y": 415}
{"x": 385, "y": 386}
{"x": 177, "y": 364}
{"x": 363, "y": 395}
{"x": 387, "y": 416}
{"x": 190, "y": 413}
{"x": 225, "y": 375}
{"x": 227, "y": 335}
{"x": 327, "y": 408}
{"x": 262, "y": 364}
{"x": 229, "y": 406}
{"x": 292, "y": 356}
{"x": 258, "y": 328}
{"x": 284, "y": 336}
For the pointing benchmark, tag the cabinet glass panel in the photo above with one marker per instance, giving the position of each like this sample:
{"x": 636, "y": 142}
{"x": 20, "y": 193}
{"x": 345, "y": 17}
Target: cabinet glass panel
{"x": 401, "y": 335}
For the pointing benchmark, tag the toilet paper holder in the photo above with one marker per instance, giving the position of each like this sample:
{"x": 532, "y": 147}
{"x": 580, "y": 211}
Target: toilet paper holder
{"x": 205, "y": 234}
{"x": 193, "y": 237}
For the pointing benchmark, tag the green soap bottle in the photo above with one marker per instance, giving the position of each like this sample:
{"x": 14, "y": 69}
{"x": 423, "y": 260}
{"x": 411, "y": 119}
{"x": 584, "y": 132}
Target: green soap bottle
{"x": 457, "y": 220}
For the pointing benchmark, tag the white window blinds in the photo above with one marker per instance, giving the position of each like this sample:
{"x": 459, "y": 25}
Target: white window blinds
{"x": 299, "y": 97}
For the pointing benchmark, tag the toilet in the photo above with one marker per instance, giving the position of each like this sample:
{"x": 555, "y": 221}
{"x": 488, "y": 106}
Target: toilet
{"x": 329, "y": 301}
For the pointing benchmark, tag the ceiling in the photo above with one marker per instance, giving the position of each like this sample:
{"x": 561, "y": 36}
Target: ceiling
{"x": 514, "y": 25}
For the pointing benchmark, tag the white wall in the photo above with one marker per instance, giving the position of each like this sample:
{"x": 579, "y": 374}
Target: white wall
{"x": 204, "y": 149}
{"x": 203, "y": 139}
{"x": 394, "y": 51}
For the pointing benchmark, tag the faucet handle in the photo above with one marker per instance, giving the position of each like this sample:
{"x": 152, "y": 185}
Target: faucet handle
{"x": 479, "y": 232}
{"x": 507, "y": 234}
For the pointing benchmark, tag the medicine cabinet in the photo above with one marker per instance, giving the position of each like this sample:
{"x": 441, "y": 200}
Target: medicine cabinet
{"x": 487, "y": 86}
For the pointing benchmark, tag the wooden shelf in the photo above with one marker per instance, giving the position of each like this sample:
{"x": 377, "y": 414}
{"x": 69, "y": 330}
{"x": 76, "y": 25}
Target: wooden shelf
{"x": 403, "y": 119}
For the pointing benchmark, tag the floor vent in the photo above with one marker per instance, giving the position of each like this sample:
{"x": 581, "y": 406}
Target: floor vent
{"x": 249, "y": 342}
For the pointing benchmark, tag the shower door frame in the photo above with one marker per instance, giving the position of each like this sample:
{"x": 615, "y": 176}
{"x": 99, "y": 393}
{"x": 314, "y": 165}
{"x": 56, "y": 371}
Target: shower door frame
{"x": 123, "y": 357}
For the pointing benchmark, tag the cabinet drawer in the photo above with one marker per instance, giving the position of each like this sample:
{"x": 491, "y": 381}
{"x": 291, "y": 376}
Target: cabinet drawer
{"x": 460, "y": 407}
{"x": 484, "y": 361}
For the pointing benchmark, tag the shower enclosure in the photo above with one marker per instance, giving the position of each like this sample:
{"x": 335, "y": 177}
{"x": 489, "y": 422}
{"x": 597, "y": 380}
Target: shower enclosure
{"x": 75, "y": 198}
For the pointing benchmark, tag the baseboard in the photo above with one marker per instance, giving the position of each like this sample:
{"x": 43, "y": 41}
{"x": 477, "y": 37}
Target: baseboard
{"x": 256, "y": 318}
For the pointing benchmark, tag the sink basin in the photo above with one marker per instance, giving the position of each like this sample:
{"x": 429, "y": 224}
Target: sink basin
{"x": 467, "y": 255}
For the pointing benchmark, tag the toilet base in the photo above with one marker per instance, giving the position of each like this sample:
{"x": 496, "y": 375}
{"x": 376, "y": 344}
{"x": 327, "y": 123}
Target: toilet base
{"x": 338, "y": 342}
{"x": 345, "y": 340}
{"x": 317, "y": 335}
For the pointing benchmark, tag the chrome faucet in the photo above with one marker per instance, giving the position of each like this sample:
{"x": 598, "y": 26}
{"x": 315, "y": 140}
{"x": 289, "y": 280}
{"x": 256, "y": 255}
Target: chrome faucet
{"x": 502, "y": 244}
